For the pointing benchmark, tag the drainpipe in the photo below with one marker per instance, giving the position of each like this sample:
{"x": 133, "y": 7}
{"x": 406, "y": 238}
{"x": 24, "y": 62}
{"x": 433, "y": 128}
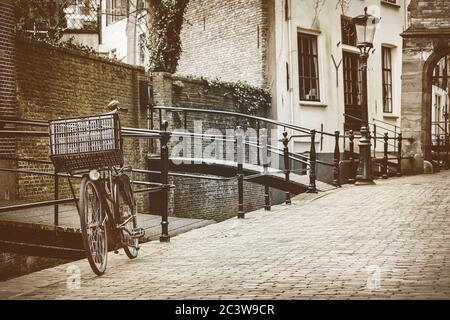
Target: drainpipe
{"x": 291, "y": 91}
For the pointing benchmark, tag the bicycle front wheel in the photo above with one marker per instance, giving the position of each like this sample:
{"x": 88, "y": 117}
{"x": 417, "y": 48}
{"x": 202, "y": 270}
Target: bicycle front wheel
{"x": 93, "y": 225}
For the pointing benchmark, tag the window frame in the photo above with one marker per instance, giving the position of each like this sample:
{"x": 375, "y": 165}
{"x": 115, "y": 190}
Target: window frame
{"x": 112, "y": 6}
{"x": 310, "y": 58}
{"x": 387, "y": 79}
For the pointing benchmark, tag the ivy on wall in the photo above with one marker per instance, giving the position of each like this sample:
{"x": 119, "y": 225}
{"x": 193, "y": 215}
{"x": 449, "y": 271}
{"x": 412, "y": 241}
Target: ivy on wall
{"x": 42, "y": 19}
{"x": 164, "y": 42}
{"x": 248, "y": 99}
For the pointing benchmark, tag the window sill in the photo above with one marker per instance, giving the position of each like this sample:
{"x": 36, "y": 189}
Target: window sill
{"x": 390, "y": 116}
{"x": 388, "y": 4}
{"x": 312, "y": 104}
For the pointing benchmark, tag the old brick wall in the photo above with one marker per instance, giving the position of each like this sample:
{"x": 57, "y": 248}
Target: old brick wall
{"x": 56, "y": 83}
{"x": 225, "y": 39}
{"x": 7, "y": 92}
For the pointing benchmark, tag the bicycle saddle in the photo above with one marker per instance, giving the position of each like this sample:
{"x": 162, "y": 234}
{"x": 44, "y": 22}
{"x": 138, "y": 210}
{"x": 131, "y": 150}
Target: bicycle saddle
{"x": 115, "y": 105}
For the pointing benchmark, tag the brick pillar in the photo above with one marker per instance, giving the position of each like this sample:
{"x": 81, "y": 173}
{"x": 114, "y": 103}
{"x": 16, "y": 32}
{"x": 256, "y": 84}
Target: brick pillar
{"x": 7, "y": 90}
{"x": 7, "y": 70}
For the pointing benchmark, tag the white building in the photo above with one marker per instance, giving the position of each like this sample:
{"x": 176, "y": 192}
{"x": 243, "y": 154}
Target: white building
{"x": 317, "y": 48}
{"x": 123, "y": 29}
{"x": 114, "y": 28}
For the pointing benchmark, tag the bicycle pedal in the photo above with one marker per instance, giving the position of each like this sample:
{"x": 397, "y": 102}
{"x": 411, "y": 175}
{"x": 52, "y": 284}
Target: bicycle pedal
{"x": 137, "y": 233}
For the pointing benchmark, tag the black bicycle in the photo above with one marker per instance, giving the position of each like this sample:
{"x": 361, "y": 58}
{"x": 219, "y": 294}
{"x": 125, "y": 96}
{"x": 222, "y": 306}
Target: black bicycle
{"x": 93, "y": 146}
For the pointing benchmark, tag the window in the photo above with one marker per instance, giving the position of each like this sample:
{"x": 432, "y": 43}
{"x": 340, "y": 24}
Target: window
{"x": 81, "y": 15}
{"x": 348, "y": 31}
{"x": 387, "y": 79}
{"x": 352, "y": 90}
{"x": 116, "y": 10}
{"x": 440, "y": 74}
{"x": 308, "y": 65}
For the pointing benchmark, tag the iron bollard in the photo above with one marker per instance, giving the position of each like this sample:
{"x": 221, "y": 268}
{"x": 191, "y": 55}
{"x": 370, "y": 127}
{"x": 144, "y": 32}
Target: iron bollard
{"x": 240, "y": 152}
{"x": 385, "y": 156}
{"x": 312, "y": 164}
{"x": 165, "y": 137}
{"x": 447, "y": 142}
{"x": 265, "y": 162}
{"x": 337, "y": 158}
{"x": 399, "y": 155}
{"x": 374, "y": 140}
{"x": 287, "y": 170}
{"x": 352, "y": 177}
{"x": 439, "y": 150}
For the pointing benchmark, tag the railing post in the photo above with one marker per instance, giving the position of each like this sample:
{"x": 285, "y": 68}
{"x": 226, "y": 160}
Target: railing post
{"x": 265, "y": 161}
{"x": 165, "y": 136}
{"x": 439, "y": 150}
{"x": 287, "y": 167}
{"x": 258, "y": 135}
{"x": 374, "y": 140}
{"x": 240, "y": 153}
{"x": 385, "y": 156}
{"x": 395, "y": 137}
{"x": 447, "y": 136}
{"x": 312, "y": 164}
{"x": 321, "y": 137}
{"x": 56, "y": 208}
{"x": 352, "y": 175}
{"x": 337, "y": 158}
{"x": 399, "y": 155}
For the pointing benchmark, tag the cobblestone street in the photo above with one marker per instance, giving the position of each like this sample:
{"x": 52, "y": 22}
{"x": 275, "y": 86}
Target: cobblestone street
{"x": 385, "y": 241}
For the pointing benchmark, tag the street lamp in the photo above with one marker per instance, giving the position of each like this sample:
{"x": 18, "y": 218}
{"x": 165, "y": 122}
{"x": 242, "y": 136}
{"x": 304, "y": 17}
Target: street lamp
{"x": 365, "y": 26}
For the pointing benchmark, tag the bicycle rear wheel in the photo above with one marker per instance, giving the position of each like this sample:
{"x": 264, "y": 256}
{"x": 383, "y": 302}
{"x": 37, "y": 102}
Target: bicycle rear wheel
{"x": 93, "y": 226}
{"x": 127, "y": 216}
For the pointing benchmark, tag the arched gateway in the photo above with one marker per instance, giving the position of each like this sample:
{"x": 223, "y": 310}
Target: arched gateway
{"x": 426, "y": 52}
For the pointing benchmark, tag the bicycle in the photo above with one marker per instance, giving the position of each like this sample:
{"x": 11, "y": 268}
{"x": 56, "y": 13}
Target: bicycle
{"x": 107, "y": 207}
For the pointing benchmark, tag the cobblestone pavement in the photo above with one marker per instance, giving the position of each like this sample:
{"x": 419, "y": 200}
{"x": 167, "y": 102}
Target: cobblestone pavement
{"x": 385, "y": 241}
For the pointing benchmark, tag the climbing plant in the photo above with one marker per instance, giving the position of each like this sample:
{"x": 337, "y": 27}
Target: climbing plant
{"x": 41, "y": 19}
{"x": 164, "y": 42}
{"x": 248, "y": 99}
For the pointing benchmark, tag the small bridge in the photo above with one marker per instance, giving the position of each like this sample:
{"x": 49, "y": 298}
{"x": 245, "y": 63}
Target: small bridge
{"x": 258, "y": 150}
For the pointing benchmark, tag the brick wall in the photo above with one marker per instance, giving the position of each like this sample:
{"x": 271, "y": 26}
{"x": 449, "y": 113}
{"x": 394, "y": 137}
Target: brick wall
{"x": 225, "y": 39}
{"x": 7, "y": 71}
{"x": 55, "y": 82}
{"x": 7, "y": 92}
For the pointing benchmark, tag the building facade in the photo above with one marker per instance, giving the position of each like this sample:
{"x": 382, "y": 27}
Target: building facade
{"x": 305, "y": 51}
{"x": 123, "y": 28}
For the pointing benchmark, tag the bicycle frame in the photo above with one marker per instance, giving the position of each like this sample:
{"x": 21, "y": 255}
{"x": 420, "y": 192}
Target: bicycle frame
{"x": 106, "y": 186}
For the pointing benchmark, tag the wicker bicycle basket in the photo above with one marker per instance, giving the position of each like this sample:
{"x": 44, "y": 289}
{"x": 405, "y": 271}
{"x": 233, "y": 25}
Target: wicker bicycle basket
{"x": 85, "y": 143}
